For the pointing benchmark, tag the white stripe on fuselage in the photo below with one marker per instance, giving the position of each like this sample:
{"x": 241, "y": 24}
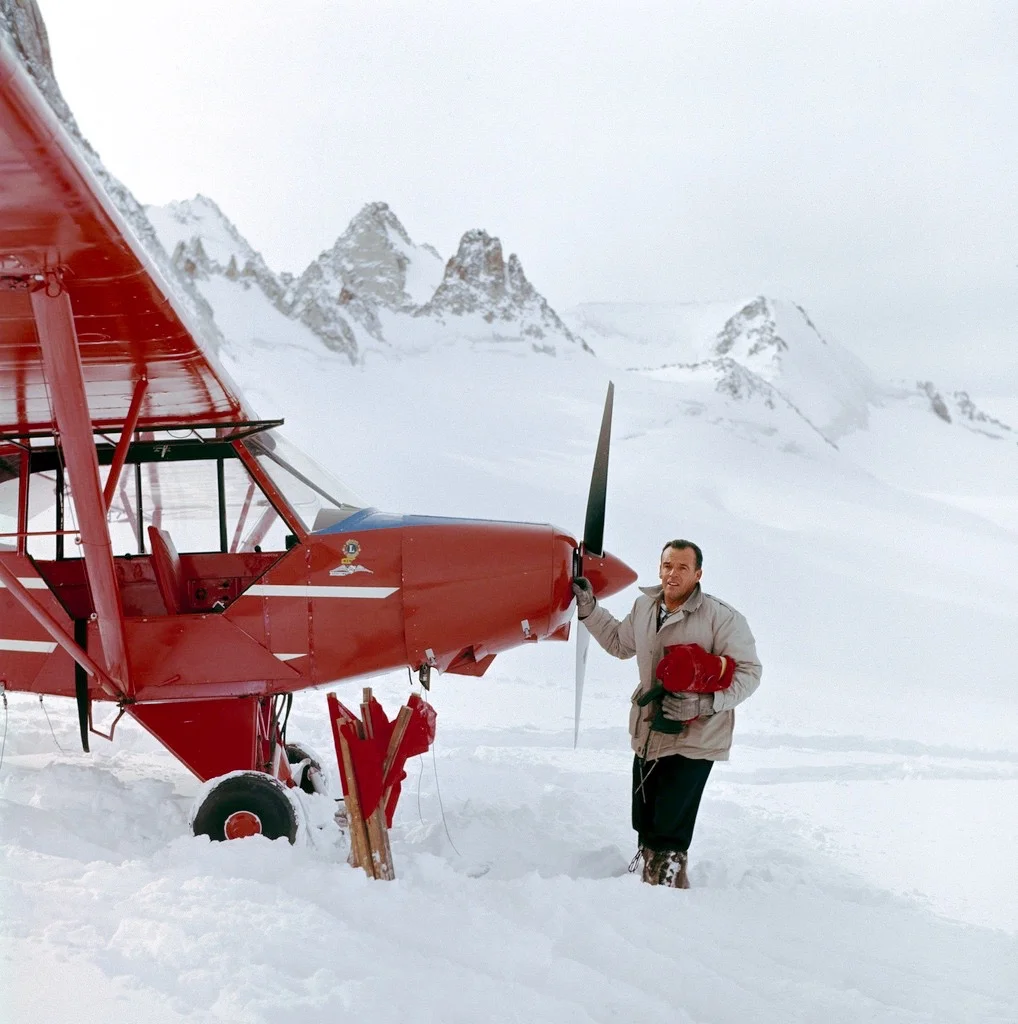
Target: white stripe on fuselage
{"x": 32, "y": 646}
{"x": 300, "y": 590}
{"x": 30, "y": 583}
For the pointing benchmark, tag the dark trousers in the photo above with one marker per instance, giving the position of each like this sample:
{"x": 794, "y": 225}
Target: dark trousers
{"x": 666, "y": 797}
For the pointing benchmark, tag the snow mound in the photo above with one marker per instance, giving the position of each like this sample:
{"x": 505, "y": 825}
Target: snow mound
{"x": 512, "y": 901}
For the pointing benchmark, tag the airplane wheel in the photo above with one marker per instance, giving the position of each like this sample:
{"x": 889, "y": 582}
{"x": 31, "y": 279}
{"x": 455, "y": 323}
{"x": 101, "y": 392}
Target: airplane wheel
{"x": 306, "y": 766}
{"x": 245, "y": 804}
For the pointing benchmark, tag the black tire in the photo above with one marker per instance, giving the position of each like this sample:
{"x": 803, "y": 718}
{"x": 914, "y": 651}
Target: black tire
{"x": 295, "y": 753}
{"x": 255, "y": 792}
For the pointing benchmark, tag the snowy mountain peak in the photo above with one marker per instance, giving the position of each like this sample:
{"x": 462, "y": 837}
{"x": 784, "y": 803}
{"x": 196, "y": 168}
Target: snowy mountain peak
{"x": 200, "y": 217}
{"x": 753, "y": 333}
{"x": 379, "y": 220}
{"x": 778, "y": 342}
{"x": 376, "y": 260}
{"x": 374, "y": 289}
{"x": 475, "y": 278}
{"x": 203, "y": 241}
{"x": 480, "y": 282}
{"x": 374, "y": 266}
{"x": 378, "y": 217}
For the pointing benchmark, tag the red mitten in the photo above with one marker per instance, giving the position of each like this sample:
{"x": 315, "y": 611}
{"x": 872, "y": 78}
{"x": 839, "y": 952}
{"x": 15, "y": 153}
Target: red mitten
{"x": 688, "y": 668}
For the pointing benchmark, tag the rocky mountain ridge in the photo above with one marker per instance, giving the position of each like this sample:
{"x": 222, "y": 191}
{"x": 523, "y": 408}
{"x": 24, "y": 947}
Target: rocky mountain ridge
{"x": 958, "y": 407}
{"x": 767, "y": 351}
{"x": 374, "y": 289}
{"x": 377, "y": 291}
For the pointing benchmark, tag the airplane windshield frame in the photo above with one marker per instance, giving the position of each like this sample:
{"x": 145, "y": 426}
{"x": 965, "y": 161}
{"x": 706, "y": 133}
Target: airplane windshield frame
{"x": 190, "y": 481}
{"x": 307, "y": 487}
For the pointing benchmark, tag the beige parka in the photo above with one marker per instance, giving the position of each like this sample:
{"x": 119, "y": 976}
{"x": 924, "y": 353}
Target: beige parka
{"x": 718, "y": 629}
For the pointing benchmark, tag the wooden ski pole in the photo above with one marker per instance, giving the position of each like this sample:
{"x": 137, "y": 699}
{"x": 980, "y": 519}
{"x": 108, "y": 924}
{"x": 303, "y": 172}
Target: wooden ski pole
{"x": 360, "y": 845}
{"x": 377, "y": 830}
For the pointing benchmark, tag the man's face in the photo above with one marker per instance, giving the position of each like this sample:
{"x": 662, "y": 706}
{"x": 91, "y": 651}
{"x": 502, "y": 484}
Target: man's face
{"x": 679, "y": 574}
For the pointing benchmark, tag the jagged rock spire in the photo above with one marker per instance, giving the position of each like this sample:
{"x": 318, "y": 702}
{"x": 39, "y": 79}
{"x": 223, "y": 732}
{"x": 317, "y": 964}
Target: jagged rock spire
{"x": 479, "y": 281}
{"x": 374, "y": 259}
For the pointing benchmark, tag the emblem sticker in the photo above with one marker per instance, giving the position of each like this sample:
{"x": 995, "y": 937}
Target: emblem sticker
{"x": 346, "y": 569}
{"x": 351, "y": 549}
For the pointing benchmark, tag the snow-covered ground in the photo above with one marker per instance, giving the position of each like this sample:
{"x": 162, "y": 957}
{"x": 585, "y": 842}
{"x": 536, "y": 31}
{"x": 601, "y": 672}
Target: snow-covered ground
{"x": 530, "y": 915}
{"x": 854, "y": 861}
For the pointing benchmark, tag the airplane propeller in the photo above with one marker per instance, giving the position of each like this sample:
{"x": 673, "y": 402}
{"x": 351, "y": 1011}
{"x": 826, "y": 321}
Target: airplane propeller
{"x": 593, "y": 542}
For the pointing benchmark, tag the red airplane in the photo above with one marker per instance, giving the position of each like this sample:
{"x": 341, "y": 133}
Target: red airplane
{"x": 173, "y": 555}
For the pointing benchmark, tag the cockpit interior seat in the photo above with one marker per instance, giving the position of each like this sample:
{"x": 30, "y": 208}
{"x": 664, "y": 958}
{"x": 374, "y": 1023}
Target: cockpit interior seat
{"x": 166, "y": 564}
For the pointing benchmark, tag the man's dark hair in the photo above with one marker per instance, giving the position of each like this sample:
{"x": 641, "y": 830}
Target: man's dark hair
{"x": 680, "y": 544}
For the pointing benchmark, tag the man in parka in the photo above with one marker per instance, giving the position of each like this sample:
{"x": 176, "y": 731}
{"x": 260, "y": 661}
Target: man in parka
{"x": 678, "y": 737}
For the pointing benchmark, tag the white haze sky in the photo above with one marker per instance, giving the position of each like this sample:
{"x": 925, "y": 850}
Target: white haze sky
{"x": 858, "y": 158}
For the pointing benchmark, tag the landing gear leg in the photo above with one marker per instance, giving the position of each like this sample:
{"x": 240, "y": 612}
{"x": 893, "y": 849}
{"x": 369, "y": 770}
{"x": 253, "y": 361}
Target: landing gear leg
{"x": 306, "y": 768}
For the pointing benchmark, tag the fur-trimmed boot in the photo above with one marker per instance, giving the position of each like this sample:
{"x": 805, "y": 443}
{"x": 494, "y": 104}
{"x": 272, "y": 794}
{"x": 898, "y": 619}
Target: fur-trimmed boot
{"x": 662, "y": 867}
{"x": 673, "y": 871}
{"x": 654, "y": 863}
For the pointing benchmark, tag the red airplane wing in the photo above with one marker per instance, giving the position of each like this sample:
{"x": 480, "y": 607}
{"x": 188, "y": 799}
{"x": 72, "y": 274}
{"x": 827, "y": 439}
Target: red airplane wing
{"x": 93, "y": 334}
{"x": 60, "y": 229}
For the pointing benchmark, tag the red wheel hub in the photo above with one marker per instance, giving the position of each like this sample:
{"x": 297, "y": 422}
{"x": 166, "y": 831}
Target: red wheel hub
{"x": 241, "y": 824}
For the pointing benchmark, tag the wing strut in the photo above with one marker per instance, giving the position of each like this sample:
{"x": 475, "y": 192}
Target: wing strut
{"x": 54, "y": 322}
{"x": 120, "y": 454}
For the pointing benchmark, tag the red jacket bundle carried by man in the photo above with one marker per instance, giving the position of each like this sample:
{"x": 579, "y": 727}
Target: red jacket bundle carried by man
{"x": 688, "y": 668}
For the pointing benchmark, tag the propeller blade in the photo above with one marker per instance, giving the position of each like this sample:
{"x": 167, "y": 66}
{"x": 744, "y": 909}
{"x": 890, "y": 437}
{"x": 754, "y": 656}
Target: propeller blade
{"x": 593, "y": 541}
{"x": 582, "y": 645}
{"x": 593, "y": 528}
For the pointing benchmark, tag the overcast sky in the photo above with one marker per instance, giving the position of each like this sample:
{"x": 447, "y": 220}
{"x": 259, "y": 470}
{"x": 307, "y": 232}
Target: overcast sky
{"x": 858, "y": 158}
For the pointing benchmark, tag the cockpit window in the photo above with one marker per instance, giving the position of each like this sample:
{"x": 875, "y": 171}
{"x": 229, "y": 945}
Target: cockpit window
{"x": 311, "y": 491}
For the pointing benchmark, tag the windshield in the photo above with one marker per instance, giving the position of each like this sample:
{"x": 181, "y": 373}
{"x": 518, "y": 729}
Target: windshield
{"x": 312, "y": 492}
{"x": 41, "y": 497}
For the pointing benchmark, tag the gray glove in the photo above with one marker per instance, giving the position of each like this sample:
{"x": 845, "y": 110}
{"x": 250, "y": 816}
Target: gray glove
{"x": 585, "y": 600}
{"x": 684, "y": 707}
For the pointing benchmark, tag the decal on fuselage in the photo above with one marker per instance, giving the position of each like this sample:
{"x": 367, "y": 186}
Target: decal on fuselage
{"x": 348, "y": 569}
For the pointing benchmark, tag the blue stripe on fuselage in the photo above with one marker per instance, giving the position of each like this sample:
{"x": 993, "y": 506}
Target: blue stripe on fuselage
{"x": 372, "y": 519}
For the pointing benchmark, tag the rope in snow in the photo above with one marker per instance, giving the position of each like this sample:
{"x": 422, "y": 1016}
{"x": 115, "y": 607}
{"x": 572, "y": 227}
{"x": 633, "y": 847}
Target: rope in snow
{"x": 50, "y": 724}
{"x": 438, "y": 789}
{"x": 420, "y": 776}
{"x": 440, "y": 807}
{"x": 420, "y": 760}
